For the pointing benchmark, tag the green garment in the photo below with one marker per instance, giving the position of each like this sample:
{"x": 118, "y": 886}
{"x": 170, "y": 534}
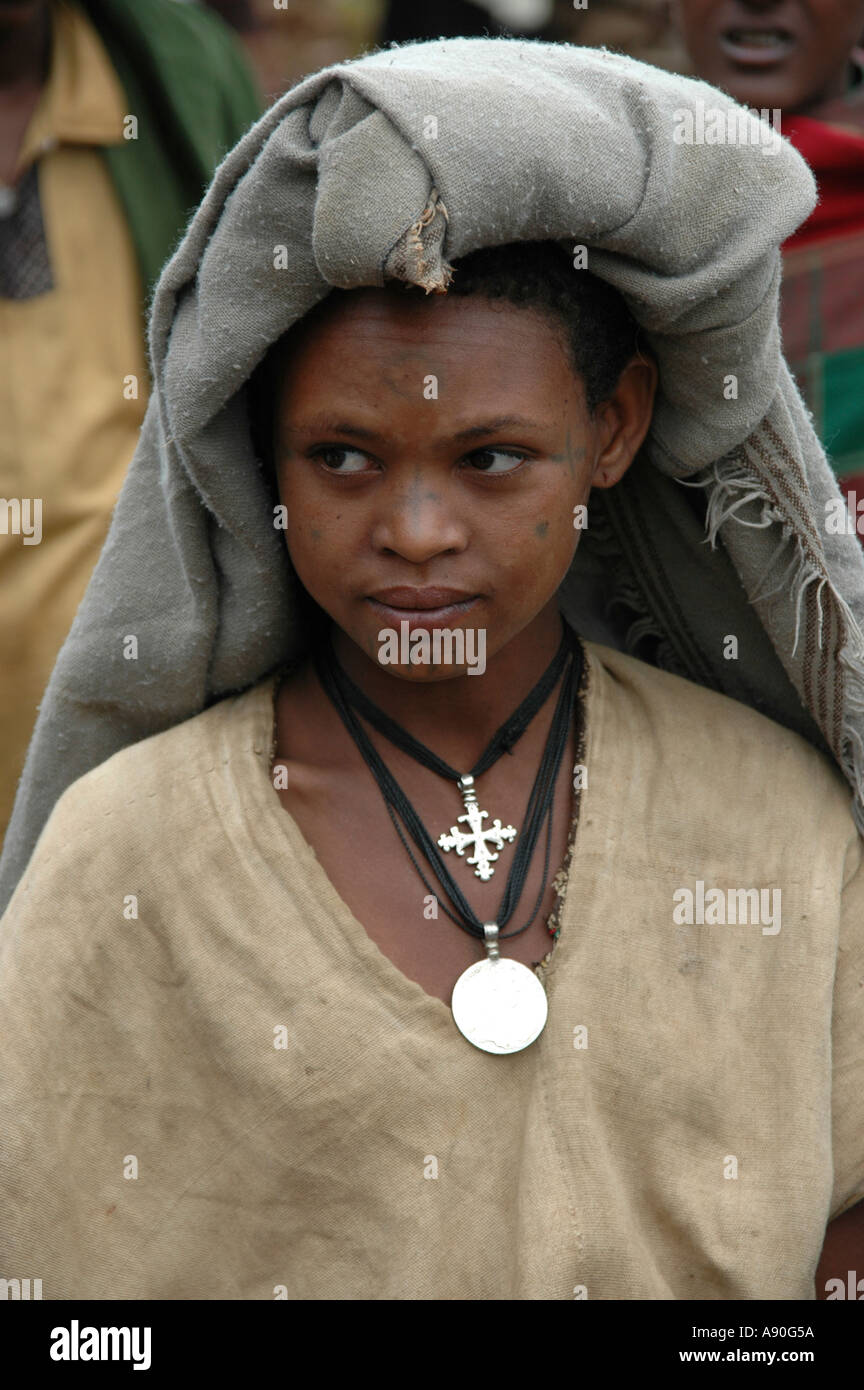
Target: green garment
{"x": 194, "y": 95}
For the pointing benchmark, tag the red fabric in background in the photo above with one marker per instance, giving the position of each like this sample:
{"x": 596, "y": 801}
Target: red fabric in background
{"x": 837, "y": 160}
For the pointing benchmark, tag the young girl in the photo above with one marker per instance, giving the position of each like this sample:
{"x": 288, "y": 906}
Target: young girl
{"x": 394, "y": 937}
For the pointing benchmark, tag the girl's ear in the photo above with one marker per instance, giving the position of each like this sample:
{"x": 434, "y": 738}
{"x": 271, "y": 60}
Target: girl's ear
{"x": 622, "y": 422}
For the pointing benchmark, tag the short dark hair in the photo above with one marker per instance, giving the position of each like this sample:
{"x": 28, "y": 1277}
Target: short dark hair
{"x": 600, "y": 331}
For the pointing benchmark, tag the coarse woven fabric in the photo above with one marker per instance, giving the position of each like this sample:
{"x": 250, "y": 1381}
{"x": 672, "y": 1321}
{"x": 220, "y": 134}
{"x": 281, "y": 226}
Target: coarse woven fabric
{"x": 234, "y": 1030}
{"x": 394, "y": 166}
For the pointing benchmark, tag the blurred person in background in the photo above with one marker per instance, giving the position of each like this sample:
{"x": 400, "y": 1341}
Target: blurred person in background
{"x": 430, "y": 19}
{"x": 802, "y": 57}
{"x": 640, "y": 28}
{"x": 286, "y": 40}
{"x": 113, "y": 116}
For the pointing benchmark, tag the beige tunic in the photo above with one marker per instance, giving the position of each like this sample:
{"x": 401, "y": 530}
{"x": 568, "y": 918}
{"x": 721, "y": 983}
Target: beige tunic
{"x": 236, "y": 1095}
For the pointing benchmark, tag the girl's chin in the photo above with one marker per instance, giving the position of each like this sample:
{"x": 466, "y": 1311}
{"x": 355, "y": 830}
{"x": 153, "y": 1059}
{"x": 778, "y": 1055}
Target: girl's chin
{"x": 425, "y": 674}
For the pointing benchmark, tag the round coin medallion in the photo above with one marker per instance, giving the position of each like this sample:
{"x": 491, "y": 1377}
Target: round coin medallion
{"x": 499, "y": 1005}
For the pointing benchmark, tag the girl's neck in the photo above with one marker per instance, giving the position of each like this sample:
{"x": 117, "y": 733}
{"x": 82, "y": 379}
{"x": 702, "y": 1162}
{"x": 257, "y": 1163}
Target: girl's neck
{"x": 456, "y": 718}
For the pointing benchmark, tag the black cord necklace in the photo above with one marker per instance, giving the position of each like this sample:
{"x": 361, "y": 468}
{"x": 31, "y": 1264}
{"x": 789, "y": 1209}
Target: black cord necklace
{"x": 496, "y": 1011}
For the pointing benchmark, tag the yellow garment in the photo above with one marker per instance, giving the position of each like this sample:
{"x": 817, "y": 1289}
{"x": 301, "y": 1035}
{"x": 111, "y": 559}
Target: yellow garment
{"x": 67, "y": 432}
{"x": 215, "y": 1085}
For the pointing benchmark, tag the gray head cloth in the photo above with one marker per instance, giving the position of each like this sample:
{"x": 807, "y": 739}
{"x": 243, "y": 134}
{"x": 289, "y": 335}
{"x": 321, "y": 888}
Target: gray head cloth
{"x": 392, "y": 167}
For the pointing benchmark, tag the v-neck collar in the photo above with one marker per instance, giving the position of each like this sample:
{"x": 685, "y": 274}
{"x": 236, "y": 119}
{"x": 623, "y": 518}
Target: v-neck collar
{"x": 268, "y": 823}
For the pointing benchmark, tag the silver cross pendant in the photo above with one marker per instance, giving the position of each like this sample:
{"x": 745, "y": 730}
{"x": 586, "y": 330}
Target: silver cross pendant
{"x": 483, "y": 857}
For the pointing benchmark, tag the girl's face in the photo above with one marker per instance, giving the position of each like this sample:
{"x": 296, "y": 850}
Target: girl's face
{"x": 441, "y": 444}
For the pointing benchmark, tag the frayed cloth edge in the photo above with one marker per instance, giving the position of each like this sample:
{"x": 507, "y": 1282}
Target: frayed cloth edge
{"x": 731, "y": 486}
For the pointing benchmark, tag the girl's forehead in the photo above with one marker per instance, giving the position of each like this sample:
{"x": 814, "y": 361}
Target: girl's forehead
{"x": 412, "y": 309}
{"x": 362, "y": 327}
{"x": 446, "y": 366}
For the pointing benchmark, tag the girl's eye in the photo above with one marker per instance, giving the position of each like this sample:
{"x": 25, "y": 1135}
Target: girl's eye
{"x": 484, "y": 460}
{"x": 341, "y": 459}
{"x": 332, "y": 455}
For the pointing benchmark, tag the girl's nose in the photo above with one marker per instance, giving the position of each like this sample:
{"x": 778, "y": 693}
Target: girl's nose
{"x": 419, "y": 524}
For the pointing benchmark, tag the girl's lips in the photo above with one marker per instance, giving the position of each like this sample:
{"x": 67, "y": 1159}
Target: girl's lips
{"x": 422, "y": 617}
{"x": 757, "y": 48}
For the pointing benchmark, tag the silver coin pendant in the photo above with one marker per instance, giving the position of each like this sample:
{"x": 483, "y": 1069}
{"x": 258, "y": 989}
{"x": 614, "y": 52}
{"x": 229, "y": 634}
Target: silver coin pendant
{"x": 499, "y": 1005}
